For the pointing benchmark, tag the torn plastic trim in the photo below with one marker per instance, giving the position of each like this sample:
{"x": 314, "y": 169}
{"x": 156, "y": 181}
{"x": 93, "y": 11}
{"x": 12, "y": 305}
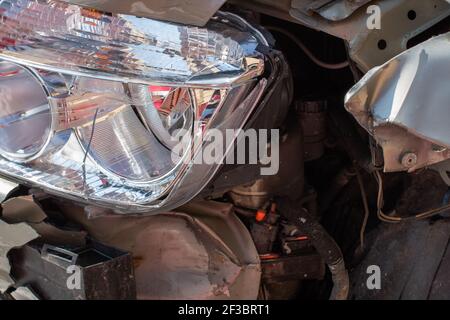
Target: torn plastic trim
{"x": 26, "y": 209}
{"x": 404, "y": 105}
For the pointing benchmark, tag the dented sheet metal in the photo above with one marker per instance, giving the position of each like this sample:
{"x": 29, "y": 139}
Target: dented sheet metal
{"x": 12, "y": 236}
{"x": 205, "y": 254}
{"x": 404, "y": 104}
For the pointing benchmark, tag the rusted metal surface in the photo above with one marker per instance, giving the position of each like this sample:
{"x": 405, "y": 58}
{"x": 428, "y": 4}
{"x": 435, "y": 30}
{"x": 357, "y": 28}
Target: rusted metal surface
{"x": 325, "y": 245}
{"x": 265, "y": 231}
{"x": 195, "y": 12}
{"x": 403, "y": 104}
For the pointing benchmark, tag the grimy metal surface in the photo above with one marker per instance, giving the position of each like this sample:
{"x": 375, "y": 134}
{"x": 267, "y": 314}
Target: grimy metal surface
{"x": 397, "y": 28}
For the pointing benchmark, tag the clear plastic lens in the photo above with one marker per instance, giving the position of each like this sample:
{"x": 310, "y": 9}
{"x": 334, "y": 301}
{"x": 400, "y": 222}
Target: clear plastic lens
{"x": 166, "y": 110}
{"x": 123, "y": 146}
{"x": 103, "y": 140}
{"x": 134, "y": 142}
{"x": 96, "y": 111}
{"x": 25, "y": 117}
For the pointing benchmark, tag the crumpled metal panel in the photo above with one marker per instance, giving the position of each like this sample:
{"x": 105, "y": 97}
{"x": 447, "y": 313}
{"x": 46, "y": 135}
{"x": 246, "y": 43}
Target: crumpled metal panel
{"x": 205, "y": 253}
{"x": 194, "y": 12}
{"x": 404, "y": 104}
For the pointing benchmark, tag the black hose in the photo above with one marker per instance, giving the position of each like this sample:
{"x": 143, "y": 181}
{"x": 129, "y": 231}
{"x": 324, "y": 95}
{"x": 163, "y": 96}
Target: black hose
{"x": 322, "y": 241}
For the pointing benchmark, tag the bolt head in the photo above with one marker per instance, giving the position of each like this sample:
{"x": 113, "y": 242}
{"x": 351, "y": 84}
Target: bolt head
{"x": 409, "y": 160}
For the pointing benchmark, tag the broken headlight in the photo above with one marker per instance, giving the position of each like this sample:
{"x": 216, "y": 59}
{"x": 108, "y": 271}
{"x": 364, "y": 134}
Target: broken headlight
{"x": 92, "y": 104}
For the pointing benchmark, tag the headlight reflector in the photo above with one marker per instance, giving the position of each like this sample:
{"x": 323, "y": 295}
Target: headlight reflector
{"x": 25, "y": 117}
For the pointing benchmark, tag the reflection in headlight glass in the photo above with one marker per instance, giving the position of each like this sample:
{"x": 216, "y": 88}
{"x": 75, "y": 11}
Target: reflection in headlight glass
{"x": 100, "y": 121}
{"x": 135, "y": 141}
{"x": 25, "y": 117}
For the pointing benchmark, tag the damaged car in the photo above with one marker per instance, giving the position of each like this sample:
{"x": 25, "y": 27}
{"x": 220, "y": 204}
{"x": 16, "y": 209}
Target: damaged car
{"x": 213, "y": 149}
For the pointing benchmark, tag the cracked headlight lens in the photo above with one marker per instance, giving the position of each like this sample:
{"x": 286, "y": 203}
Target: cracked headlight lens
{"x": 92, "y": 104}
